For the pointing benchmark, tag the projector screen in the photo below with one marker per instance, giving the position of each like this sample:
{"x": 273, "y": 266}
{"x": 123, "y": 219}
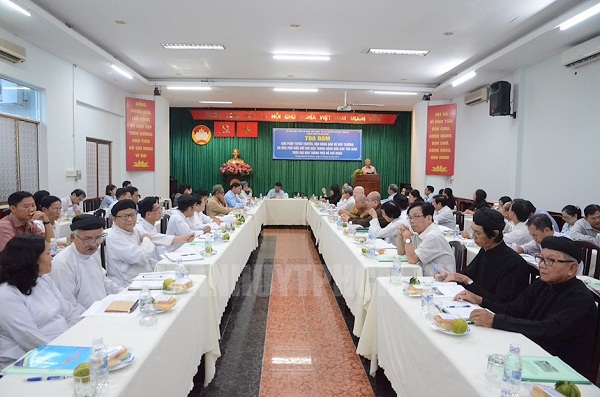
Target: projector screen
{"x": 317, "y": 144}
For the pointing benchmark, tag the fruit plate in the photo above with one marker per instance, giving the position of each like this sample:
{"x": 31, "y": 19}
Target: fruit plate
{"x": 177, "y": 292}
{"x": 449, "y": 331}
{"x": 125, "y": 362}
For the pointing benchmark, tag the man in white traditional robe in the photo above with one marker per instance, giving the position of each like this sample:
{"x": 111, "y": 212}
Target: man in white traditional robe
{"x": 77, "y": 270}
{"x": 179, "y": 222}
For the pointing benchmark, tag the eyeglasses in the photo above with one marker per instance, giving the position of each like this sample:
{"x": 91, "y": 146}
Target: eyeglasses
{"x": 90, "y": 240}
{"x": 567, "y": 218}
{"x": 415, "y": 217}
{"x": 124, "y": 218}
{"x": 58, "y": 209}
{"x": 549, "y": 261}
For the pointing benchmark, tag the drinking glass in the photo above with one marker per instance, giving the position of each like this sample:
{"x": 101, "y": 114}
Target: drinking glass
{"x": 495, "y": 368}
{"x": 84, "y": 386}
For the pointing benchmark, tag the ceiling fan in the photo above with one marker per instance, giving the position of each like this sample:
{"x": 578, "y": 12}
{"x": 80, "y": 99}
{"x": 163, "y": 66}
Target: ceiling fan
{"x": 347, "y": 106}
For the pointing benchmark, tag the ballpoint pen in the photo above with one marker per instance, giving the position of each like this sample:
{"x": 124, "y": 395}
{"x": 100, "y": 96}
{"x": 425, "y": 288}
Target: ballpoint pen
{"x": 457, "y": 306}
{"x": 40, "y": 378}
{"x": 134, "y": 306}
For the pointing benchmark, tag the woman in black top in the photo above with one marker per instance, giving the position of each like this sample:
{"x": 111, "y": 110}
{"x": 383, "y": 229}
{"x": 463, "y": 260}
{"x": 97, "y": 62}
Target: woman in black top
{"x": 335, "y": 194}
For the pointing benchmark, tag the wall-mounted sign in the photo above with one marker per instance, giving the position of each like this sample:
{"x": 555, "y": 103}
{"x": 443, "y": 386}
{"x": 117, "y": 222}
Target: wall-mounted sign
{"x": 139, "y": 134}
{"x": 441, "y": 132}
{"x": 201, "y": 135}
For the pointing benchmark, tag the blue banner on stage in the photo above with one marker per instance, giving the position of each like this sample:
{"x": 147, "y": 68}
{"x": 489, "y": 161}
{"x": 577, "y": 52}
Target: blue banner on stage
{"x": 316, "y": 144}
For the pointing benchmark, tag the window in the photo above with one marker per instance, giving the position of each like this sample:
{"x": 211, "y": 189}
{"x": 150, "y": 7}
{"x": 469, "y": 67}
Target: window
{"x": 97, "y": 167}
{"x": 18, "y": 156}
{"x": 19, "y": 100}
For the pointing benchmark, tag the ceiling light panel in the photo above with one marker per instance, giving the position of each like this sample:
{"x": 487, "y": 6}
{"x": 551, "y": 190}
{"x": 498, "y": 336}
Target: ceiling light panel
{"x": 182, "y": 46}
{"x": 189, "y": 88}
{"x": 301, "y": 57}
{"x": 463, "y": 78}
{"x": 384, "y": 51}
{"x": 216, "y": 102}
{"x": 296, "y": 89}
{"x": 395, "y": 92}
{"x": 590, "y": 12}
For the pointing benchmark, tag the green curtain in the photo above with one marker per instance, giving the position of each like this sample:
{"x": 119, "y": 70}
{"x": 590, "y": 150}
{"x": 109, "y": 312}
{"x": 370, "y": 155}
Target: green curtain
{"x": 388, "y": 146}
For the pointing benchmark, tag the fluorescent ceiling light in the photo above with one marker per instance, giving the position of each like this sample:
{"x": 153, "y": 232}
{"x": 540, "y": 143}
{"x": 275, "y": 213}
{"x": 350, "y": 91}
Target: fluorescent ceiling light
{"x": 189, "y": 88}
{"x": 181, "y": 46}
{"x": 395, "y": 92}
{"x": 122, "y": 71}
{"x": 217, "y": 102}
{"x": 580, "y": 17}
{"x": 301, "y": 57}
{"x": 383, "y": 51}
{"x": 17, "y": 7}
{"x": 296, "y": 89}
{"x": 464, "y": 78}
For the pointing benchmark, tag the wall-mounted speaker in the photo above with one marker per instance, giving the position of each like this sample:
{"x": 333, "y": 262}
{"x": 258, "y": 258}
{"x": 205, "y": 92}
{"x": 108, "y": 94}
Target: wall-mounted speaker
{"x": 500, "y": 98}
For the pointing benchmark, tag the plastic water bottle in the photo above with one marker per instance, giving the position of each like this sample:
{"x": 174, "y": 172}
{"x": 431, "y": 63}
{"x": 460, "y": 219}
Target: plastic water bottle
{"x": 260, "y": 198}
{"x": 180, "y": 270}
{"x": 371, "y": 248}
{"x": 99, "y": 364}
{"x": 351, "y": 229}
{"x": 427, "y": 300}
{"x": 53, "y": 247}
{"x": 456, "y": 232}
{"x": 396, "y": 272}
{"x": 513, "y": 368}
{"x": 147, "y": 308}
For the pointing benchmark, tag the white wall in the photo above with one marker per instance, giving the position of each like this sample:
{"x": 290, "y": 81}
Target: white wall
{"x": 76, "y": 105}
{"x": 548, "y": 154}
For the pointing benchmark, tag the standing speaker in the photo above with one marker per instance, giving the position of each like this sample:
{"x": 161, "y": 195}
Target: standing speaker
{"x": 500, "y": 98}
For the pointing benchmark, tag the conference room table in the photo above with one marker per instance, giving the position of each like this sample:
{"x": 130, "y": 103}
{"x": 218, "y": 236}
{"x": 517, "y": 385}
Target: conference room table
{"x": 353, "y": 272}
{"x": 166, "y": 355}
{"x": 422, "y": 361}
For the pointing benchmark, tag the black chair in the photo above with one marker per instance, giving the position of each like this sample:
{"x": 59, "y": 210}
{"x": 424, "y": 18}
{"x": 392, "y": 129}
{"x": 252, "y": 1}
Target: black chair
{"x": 90, "y": 205}
{"x": 596, "y": 356}
{"x": 460, "y": 219}
{"x": 109, "y": 222}
{"x": 103, "y": 254}
{"x": 100, "y": 213}
{"x": 587, "y": 249}
{"x": 163, "y": 223}
{"x": 460, "y": 255}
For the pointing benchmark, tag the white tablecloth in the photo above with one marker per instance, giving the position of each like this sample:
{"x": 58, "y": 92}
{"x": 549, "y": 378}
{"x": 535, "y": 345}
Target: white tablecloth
{"x": 285, "y": 212}
{"x": 420, "y": 361}
{"x": 167, "y": 354}
{"x": 353, "y": 272}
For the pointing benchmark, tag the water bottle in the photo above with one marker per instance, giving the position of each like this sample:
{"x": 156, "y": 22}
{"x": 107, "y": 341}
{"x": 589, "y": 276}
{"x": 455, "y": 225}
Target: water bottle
{"x": 99, "y": 364}
{"x": 513, "y": 367}
{"x": 147, "y": 308}
{"x": 260, "y": 198}
{"x": 351, "y": 229}
{"x": 180, "y": 270}
{"x": 53, "y": 247}
{"x": 396, "y": 272}
{"x": 427, "y": 300}
{"x": 371, "y": 248}
{"x": 456, "y": 232}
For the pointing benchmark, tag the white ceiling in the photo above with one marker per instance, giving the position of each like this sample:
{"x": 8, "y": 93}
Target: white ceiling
{"x": 493, "y": 37}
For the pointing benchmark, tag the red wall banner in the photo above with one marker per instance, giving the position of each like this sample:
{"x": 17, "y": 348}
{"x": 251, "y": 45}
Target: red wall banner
{"x": 224, "y": 129}
{"x": 441, "y": 133}
{"x": 276, "y": 116}
{"x": 139, "y": 134}
{"x": 247, "y": 129}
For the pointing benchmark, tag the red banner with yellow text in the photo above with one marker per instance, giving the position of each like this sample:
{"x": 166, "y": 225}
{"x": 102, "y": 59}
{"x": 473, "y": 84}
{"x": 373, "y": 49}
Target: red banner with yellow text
{"x": 441, "y": 133}
{"x": 139, "y": 134}
{"x": 276, "y": 116}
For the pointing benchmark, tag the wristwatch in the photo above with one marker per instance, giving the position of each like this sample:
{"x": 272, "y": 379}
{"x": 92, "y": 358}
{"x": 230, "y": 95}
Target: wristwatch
{"x": 407, "y": 241}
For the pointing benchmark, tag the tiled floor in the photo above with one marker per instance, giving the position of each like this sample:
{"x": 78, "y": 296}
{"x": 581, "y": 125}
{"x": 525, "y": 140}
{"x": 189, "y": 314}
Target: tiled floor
{"x": 283, "y": 333}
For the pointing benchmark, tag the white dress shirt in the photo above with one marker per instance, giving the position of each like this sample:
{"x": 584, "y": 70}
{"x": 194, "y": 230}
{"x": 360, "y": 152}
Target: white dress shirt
{"x": 66, "y": 205}
{"x": 161, "y": 241}
{"x": 127, "y": 255}
{"x": 55, "y": 229}
{"x": 432, "y": 248}
{"x": 519, "y": 235}
{"x": 273, "y": 194}
{"x": 346, "y": 204}
{"x": 80, "y": 278}
{"x": 179, "y": 226}
{"x": 388, "y": 233}
{"x": 29, "y": 321}
{"x": 445, "y": 217}
{"x": 200, "y": 220}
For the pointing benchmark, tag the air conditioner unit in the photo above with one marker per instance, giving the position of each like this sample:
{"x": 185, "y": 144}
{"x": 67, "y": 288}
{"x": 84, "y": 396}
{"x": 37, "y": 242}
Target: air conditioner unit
{"x": 11, "y": 52}
{"x": 581, "y": 54}
{"x": 481, "y": 95}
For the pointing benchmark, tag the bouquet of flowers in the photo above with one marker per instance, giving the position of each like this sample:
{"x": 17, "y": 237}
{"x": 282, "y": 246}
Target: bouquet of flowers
{"x": 236, "y": 169}
{"x": 356, "y": 173}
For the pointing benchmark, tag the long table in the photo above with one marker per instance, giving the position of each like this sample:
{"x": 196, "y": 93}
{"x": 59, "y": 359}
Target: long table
{"x": 167, "y": 354}
{"x": 421, "y": 361}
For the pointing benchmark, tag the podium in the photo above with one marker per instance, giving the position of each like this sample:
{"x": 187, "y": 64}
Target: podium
{"x": 371, "y": 183}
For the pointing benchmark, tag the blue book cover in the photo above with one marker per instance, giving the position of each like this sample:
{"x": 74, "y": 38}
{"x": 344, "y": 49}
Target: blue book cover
{"x": 50, "y": 359}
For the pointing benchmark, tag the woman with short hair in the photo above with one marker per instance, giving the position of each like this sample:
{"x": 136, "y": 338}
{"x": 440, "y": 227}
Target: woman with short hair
{"x": 109, "y": 198}
{"x": 32, "y": 310}
{"x": 570, "y": 215}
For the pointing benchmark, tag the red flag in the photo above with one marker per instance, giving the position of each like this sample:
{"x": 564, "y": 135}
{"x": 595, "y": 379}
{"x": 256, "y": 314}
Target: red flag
{"x": 247, "y": 129}
{"x": 224, "y": 129}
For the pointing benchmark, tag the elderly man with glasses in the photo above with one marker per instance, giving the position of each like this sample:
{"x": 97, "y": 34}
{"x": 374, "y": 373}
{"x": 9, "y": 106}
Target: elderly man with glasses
{"x": 556, "y": 311}
{"x": 77, "y": 270}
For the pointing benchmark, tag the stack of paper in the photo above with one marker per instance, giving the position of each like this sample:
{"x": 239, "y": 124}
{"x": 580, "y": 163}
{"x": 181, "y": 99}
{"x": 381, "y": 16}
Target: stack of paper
{"x": 458, "y": 308}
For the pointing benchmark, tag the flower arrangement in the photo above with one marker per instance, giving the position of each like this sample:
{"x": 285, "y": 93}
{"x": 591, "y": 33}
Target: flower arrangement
{"x": 236, "y": 169}
{"x": 356, "y": 173}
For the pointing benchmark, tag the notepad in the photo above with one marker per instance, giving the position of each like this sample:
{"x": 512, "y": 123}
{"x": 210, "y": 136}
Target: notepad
{"x": 549, "y": 369}
{"x": 458, "y": 308}
{"x": 50, "y": 360}
{"x": 120, "y": 306}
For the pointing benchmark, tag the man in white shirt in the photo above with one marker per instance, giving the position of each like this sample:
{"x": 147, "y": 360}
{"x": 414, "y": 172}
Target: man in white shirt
{"x": 277, "y": 191}
{"x": 151, "y": 212}
{"x": 588, "y": 228}
{"x": 122, "y": 194}
{"x": 231, "y": 197}
{"x": 429, "y": 190}
{"x": 70, "y": 204}
{"x": 347, "y": 202}
{"x": 179, "y": 221}
{"x": 428, "y": 247}
{"x": 246, "y": 193}
{"x": 201, "y": 221}
{"x": 129, "y": 252}
{"x": 77, "y": 270}
{"x": 520, "y": 211}
{"x": 443, "y": 215}
{"x": 51, "y": 207}
{"x": 392, "y": 191}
